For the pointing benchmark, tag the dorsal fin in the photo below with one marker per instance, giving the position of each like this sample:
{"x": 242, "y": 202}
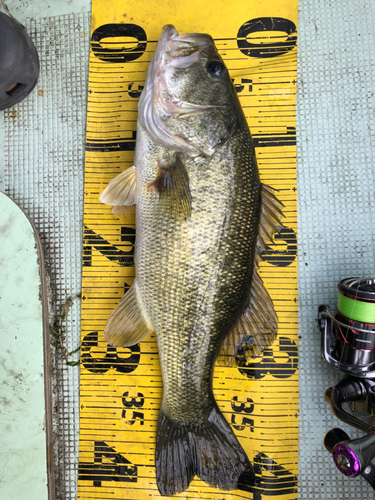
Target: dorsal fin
{"x": 257, "y": 326}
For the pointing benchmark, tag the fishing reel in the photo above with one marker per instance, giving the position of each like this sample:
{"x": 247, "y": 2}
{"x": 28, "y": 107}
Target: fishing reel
{"x": 348, "y": 344}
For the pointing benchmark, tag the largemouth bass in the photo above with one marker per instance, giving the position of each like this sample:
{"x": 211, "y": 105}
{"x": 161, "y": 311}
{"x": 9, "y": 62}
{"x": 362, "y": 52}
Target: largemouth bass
{"x": 202, "y": 219}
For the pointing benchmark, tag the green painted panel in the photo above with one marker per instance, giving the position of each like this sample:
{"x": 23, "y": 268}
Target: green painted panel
{"x": 23, "y": 465}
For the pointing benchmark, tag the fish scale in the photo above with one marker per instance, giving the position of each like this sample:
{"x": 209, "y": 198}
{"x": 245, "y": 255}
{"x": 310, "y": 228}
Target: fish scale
{"x": 183, "y": 275}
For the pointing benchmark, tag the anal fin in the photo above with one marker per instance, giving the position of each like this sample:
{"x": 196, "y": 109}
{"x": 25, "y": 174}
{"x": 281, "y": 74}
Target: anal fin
{"x": 257, "y": 327}
{"x": 128, "y": 324}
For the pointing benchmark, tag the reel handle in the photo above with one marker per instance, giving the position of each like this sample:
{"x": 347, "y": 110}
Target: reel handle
{"x": 352, "y": 456}
{"x": 333, "y": 437}
{"x": 369, "y": 475}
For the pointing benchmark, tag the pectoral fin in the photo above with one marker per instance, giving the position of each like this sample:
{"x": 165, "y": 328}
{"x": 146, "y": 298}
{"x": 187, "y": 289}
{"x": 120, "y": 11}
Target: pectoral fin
{"x": 128, "y": 323}
{"x": 257, "y": 327}
{"x": 121, "y": 191}
{"x": 172, "y": 184}
{"x": 124, "y": 210}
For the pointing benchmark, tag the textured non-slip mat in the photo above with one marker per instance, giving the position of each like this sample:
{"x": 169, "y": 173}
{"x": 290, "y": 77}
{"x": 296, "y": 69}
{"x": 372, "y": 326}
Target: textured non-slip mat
{"x": 335, "y": 167}
{"x": 43, "y": 163}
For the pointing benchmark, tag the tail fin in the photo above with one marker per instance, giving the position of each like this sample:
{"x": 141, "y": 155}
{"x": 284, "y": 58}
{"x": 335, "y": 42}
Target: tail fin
{"x": 209, "y": 450}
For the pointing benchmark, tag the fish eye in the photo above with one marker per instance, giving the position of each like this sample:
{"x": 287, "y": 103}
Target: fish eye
{"x": 215, "y": 67}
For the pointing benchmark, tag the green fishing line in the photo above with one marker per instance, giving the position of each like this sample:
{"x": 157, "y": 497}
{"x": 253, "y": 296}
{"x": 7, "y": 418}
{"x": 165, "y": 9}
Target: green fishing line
{"x": 356, "y": 309}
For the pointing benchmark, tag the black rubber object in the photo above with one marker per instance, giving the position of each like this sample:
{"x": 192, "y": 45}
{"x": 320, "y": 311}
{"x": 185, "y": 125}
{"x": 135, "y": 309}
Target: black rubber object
{"x": 19, "y": 62}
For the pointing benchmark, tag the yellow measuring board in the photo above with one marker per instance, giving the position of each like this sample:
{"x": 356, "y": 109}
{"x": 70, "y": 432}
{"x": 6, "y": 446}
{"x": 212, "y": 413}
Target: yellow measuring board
{"x": 121, "y": 388}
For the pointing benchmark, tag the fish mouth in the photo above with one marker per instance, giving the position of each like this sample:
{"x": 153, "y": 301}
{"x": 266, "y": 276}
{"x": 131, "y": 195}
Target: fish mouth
{"x": 158, "y": 105}
{"x": 182, "y": 51}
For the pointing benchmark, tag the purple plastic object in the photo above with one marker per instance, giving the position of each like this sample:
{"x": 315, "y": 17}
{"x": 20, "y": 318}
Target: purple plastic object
{"x": 346, "y": 460}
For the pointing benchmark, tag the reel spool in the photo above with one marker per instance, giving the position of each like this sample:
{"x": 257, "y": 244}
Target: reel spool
{"x": 356, "y": 309}
{"x": 19, "y": 62}
{"x": 348, "y": 344}
{"x": 354, "y": 329}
